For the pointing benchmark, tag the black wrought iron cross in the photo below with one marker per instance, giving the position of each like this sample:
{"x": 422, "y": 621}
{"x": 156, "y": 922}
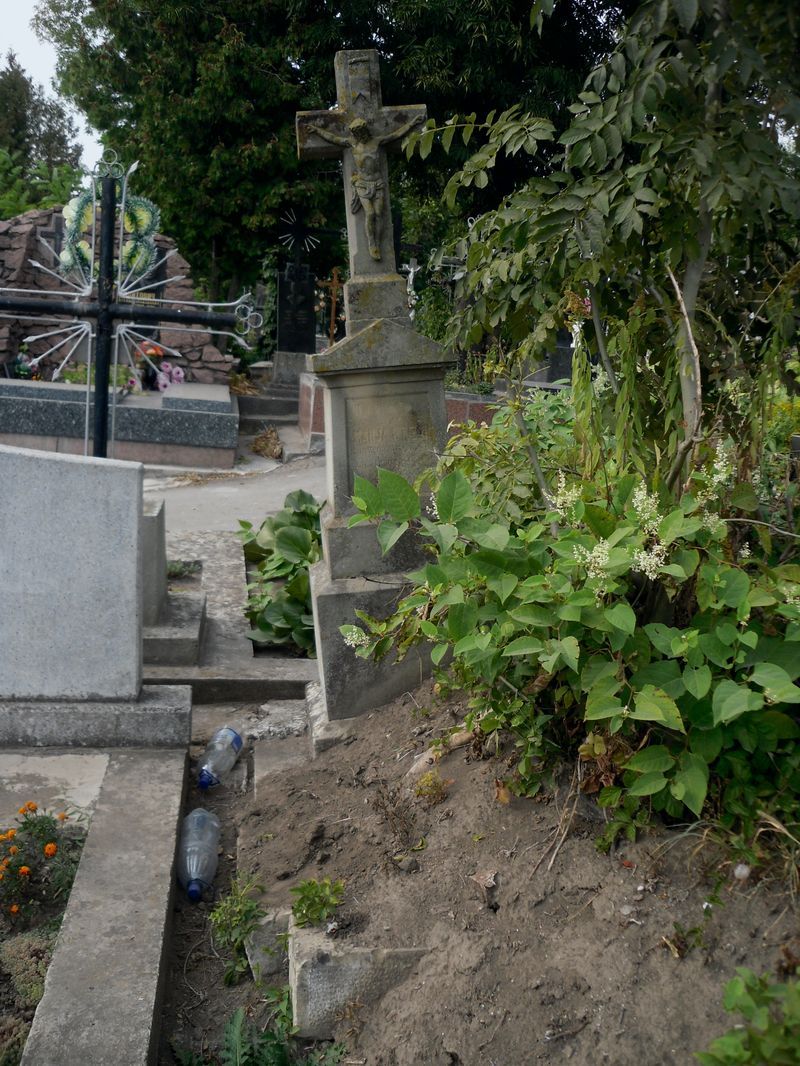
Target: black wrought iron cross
{"x": 113, "y": 304}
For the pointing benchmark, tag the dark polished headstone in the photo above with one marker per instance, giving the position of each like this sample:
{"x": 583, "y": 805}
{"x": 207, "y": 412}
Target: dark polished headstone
{"x": 296, "y": 314}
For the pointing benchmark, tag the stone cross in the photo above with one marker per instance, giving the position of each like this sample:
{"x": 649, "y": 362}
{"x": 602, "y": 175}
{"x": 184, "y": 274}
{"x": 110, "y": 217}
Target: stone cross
{"x": 360, "y": 129}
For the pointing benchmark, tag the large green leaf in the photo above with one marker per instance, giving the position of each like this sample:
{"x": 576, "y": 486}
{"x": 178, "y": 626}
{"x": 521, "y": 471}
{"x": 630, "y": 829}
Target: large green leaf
{"x": 389, "y": 533}
{"x": 734, "y": 587}
{"x": 454, "y": 499}
{"x": 294, "y": 544}
{"x": 654, "y": 705}
{"x": 647, "y": 785}
{"x": 523, "y": 646}
{"x": 731, "y": 701}
{"x": 398, "y": 498}
{"x": 776, "y": 683}
{"x": 621, "y": 616}
{"x": 369, "y": 494}
{"x": 697, "y": 680}
{"x": 653, "y": 758}
{"x": 690, "y": 783}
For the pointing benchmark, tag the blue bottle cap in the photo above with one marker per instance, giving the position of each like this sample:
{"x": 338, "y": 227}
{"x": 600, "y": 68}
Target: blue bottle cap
{"x": 205, "y": 779}
{"x": 194, "y": 890}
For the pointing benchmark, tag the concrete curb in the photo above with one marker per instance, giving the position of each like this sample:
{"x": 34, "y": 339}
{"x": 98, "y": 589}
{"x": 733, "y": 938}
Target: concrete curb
{"x": 103, "y": 990}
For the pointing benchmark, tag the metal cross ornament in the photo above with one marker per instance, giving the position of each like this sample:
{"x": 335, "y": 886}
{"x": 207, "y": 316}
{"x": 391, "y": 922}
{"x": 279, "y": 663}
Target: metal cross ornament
{"x": 107, "y": 262}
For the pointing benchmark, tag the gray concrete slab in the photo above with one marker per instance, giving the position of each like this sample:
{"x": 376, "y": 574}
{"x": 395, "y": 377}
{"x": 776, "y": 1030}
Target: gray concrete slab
{"x": 57, "y": 780}
{"x": 102, "y": 993}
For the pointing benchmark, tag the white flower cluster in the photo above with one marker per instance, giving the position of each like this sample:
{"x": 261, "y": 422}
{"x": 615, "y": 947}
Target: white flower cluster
{"x": 356, "y": 638}
{"x": 646, "y": 507}
{"x": 713, "y": 523}
{"x": 565, "y": 499}
{"x": 432, "y": 509}
{"x": 719, "y": 476}
{"x": 595, "y": 561}
{"x": 745, "y": 551}
{"x": 649, "y": 561}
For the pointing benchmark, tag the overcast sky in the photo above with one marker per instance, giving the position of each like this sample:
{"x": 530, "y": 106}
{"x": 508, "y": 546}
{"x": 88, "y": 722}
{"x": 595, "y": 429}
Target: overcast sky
{"x": 38, "y": 60}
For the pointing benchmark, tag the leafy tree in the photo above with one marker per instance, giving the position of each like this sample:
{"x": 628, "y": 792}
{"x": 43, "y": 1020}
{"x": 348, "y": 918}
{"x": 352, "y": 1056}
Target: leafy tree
{"x": 666, "y": 235}
{"x": 21, "y": 189}
{"x": 32, "y": 125}
{"x": 204, "y": 95}
{"x": 38, "y": 155}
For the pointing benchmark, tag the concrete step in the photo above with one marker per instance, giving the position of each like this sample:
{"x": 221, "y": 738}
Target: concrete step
{"x": 102, "y": 993}
{"x": 264, "y": 677}
{"x": 267, "y": 406}
{"x": 252, "y": 425}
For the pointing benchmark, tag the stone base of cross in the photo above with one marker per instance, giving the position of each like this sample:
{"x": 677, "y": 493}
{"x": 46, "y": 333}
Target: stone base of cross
{"x": 384, "y": 392}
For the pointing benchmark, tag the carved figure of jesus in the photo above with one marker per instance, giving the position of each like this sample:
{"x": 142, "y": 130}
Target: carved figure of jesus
{"x": 369, "y": 190}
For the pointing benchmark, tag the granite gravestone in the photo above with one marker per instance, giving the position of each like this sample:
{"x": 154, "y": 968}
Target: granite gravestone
{"x": 71, "y": 608}
{"x": 384, "y": 393}
{"x": 296, "y": 308}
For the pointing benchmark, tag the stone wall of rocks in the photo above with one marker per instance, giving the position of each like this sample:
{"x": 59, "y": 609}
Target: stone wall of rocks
{"x": 201, "y": 360}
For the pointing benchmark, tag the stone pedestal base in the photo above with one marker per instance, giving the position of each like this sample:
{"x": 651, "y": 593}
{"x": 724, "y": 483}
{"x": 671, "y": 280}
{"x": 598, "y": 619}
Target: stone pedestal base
{"x": 176, "y": 637}
{"x": 350, "y": 685}
{"x": 160, "y": 718}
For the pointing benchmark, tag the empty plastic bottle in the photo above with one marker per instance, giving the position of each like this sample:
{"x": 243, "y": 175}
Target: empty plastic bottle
{"x": 198, "y": 852}
{"x": 220, "y": 755}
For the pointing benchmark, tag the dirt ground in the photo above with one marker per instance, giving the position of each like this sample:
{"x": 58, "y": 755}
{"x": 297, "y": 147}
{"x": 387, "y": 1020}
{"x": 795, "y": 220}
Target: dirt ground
{"x": 540, "y": 949}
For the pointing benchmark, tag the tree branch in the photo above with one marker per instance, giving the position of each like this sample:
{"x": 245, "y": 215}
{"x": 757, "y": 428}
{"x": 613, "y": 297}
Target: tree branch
{"x": 601, "y": 340}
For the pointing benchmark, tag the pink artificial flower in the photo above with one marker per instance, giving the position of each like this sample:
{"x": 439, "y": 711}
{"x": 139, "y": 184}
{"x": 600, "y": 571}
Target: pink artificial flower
{"x": 166, "y": 367}
{"x": 178, "y": 375}
{"x": 163, "y": 382}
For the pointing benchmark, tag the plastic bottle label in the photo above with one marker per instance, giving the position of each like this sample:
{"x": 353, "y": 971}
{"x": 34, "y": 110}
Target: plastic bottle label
{"x": 235, "y": 739}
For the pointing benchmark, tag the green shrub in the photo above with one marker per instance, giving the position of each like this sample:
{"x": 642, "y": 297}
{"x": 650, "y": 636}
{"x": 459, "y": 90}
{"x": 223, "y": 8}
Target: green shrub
{"x": 771, "y": 1036}
{"x": 667, "y": 633}
{"x": 285, "y": 546}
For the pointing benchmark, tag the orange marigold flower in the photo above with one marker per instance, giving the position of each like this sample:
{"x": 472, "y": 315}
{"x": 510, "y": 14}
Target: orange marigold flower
{"x": 22, "y": 810}
{"x": 24, "y": 871}
{"x": 11, "y": 834}
{"x": 50, "y": 849}
{"x": 62, "y": 816}
{"x": 13, "y": 849}
{"x": 14, "y": 908}
{"x": 31, "y": 806}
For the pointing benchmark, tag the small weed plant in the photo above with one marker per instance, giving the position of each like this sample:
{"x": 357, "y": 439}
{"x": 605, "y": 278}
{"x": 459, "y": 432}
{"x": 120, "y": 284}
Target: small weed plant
{"x": 284, "y": 547}
{"x": 38, "y": 860}
{"x": 247, "y": 1044}
{"x": 771, "y": 1011}
{"x": 316, "y": 901}
{"x": 432, "y": 788}
{"x": 233, "y": 919}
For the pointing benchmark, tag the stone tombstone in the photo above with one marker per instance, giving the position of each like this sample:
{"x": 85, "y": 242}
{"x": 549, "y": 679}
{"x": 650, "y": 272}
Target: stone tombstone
{"x": 71, "y": 605}
{"x": 70, "y": 584}
{"x": 384, "y": 393}
{"x": 297, "y": 323}
{"x": 558, "y": 364}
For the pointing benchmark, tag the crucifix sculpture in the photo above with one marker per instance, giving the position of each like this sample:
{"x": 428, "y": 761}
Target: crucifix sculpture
{"x": 360, "y": 129}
